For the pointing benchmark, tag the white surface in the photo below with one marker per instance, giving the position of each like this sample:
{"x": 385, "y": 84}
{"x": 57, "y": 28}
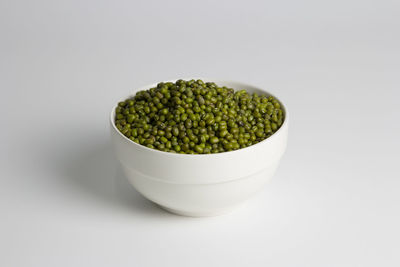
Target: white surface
{"x": 335, "y": 198}
{"x": 201, "y": 185}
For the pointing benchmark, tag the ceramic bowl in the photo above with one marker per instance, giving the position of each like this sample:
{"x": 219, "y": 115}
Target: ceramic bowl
{"x": 204, "y": 184}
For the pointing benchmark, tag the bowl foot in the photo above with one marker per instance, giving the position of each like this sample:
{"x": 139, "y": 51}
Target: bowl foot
{"x": 197, "y": 214}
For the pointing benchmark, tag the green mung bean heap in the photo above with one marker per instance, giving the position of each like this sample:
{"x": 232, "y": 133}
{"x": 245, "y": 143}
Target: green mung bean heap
{"x": 193, "y": 117}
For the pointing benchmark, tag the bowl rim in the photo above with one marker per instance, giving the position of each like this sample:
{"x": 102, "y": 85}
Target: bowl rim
{"x": 220, "y": 83}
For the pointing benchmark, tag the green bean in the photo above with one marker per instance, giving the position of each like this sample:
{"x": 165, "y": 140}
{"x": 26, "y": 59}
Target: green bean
{"x": 196, "y": 117}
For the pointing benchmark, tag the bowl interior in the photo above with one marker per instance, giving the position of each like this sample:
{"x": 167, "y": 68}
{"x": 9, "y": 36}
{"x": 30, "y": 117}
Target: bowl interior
{"x": 230, "y": 84}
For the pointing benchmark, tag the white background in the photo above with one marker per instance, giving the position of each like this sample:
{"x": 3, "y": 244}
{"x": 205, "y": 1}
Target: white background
{"x": 335, "y": 200}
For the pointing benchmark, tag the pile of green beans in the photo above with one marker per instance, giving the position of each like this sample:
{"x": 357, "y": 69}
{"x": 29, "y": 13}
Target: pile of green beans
{"x": 193, "y": 117}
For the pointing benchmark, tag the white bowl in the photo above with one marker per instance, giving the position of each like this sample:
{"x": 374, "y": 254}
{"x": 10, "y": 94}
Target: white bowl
{"x": 203, "y": 184}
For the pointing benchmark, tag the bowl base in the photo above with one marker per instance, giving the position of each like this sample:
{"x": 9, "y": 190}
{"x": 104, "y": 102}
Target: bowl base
{"x": 197, "y": 214}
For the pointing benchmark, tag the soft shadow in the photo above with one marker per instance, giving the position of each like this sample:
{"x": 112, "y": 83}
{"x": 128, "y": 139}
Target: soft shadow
{"x": 95, "y": 172}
